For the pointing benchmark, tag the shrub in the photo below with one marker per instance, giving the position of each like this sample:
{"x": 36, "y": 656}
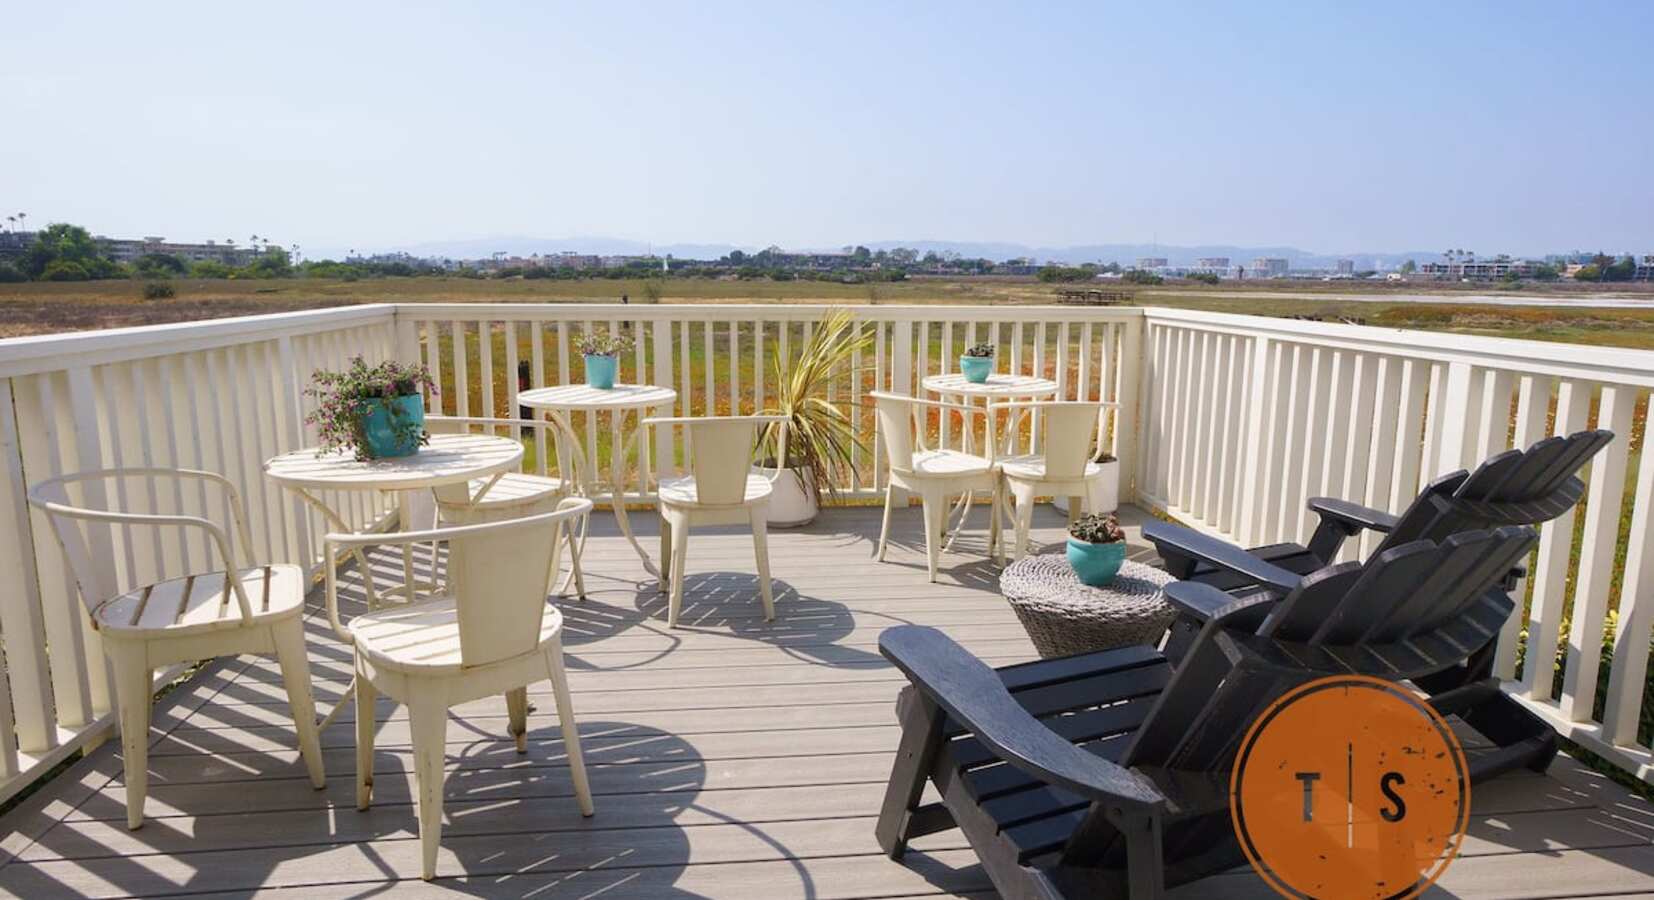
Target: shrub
{"x": 64, "y": 270}
{"x": 159, "y": 290}
{"x": 10, "y": 274}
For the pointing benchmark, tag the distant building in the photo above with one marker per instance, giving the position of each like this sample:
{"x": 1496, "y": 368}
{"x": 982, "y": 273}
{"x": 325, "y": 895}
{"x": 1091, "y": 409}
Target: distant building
{"x": 1270, "y": 267}
{"x": 1480, "y": 269}
{"x": 123, "y": 250}
{"x": 1151, "y": 262}
{"x": 13, "y": 244}
{"x": 1345, "y": 267}
{"x": 1645, "y": 268}
{"x": 1212, "y": 262}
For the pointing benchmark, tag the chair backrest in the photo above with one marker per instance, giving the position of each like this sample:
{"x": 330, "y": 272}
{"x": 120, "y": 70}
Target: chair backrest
{"x": 1516, "y": 487}
{"x": 894, "y": 417}
{"x": 82, "y": 517}
{"x": 497, "y": 574}
{"x": 719, "y": 451}
{"x": 1066, "y": 431}
{"x": 1385, "y": 617}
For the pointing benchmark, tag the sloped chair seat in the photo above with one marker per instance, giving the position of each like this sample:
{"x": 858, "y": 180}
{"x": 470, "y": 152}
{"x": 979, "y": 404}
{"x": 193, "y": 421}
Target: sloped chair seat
{"x": 206, "y": 602}
{"x": 1032, "y": 465}
{"x": 681, "y": 491}
{"x": 423, "y": 638}
{"x": 948, "y": 463}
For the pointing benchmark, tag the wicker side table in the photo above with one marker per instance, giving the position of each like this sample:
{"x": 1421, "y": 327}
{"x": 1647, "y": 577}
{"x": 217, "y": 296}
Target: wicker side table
{"x": 1064, "y": 616}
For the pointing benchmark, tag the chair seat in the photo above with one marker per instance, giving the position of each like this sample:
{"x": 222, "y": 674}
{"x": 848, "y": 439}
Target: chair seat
{"x": 205, "y": 602}
{"x": 423, "y": 637}
{"x": 948, "y": 463}
{"x": 682, "y": 491}
{"x": 513, "y": 489}
{"x": 1031, "y": 467}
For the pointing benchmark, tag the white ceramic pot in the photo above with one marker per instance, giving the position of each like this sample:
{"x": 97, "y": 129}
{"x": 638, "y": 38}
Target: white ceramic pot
{"x": 1107, "y": 499}
{"x": 791, "y": 505}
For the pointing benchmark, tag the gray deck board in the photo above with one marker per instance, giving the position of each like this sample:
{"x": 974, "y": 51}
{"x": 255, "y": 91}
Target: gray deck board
{"x": 730, "y": 758}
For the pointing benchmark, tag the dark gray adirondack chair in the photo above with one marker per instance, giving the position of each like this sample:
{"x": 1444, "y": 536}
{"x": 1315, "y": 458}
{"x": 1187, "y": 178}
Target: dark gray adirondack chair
{"x": 1524, "y": 487}
{"x": 1106, "y": 774}
{"x": 1516, "y": 487}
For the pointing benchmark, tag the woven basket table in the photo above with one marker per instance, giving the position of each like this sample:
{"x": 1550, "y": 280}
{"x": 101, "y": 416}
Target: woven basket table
{"x": 1064, "y": 616}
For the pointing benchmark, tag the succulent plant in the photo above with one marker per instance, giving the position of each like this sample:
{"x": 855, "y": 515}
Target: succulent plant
{"x": 980, "y": 350}
{"x": 1098, "y": 529}
{"x": 603, "y": 343}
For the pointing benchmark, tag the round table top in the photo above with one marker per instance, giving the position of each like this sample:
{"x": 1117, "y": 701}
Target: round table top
{"x": 580, "y": 397}
{"x": 998, "y": 385}
{"x": 447, "y": 459}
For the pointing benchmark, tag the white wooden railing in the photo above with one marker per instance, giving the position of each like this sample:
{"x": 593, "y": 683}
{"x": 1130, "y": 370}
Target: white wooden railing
{"x": 1246, "y": 417}
{"x": 1226, "y": 422}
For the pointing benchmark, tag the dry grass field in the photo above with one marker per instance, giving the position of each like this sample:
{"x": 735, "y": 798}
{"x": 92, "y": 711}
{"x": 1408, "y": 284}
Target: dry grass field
{"x": 44, "y": 308}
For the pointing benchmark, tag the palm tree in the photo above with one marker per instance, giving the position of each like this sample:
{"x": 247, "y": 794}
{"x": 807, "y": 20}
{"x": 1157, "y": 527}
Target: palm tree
{"x": 21, "y": 224}
{"x": 13, "y": 221}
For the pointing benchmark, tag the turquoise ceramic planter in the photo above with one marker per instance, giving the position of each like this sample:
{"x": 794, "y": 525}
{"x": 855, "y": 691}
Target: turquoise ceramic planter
{"x": 600, "y": 371}
{"x": 976, "y": 368}
{"x": 380, "y": 432}
{"x": 1096, "y": 564}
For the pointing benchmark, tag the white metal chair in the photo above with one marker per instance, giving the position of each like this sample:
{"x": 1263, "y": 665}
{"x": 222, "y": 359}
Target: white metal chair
{"x": 720, "y": 489}
{"x": 933, "y": 473}
{"x": 213, "y": 612}
{"x": 513, "y": 495}
{"x": 1062, "y": 467}
{"x": 496, "y": 633}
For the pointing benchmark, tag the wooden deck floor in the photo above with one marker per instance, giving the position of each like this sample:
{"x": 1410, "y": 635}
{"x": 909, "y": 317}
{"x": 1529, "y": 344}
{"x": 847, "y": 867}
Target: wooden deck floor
{"x": 731, "y": 758}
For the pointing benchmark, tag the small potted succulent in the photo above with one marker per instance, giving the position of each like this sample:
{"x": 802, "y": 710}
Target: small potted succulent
{"x": 1096, "y": 549}
{"x": 977, "y": 363}
{"x": 375, "y": 411}
{"x": 602, "y": 350}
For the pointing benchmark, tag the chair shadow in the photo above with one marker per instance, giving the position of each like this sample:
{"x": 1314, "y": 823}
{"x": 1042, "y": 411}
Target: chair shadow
{"x": 806, "y": 628}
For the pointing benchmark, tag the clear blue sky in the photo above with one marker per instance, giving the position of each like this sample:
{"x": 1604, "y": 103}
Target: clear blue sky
{"x": 1519, "y": 127}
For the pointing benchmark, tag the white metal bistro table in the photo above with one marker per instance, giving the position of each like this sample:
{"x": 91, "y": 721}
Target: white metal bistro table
{"x": 582, "y": 470}
{"x": 999, "y": 388}
{"x": 448, "y": 459}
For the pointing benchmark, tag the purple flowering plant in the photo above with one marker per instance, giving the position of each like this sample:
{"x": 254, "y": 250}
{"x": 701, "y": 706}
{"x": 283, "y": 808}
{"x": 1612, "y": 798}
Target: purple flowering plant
{"x": 344, "y": 400}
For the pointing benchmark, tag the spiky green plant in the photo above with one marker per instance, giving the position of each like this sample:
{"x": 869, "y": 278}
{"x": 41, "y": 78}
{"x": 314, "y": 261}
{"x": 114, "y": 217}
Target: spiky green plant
{"x": 820, "y": 432}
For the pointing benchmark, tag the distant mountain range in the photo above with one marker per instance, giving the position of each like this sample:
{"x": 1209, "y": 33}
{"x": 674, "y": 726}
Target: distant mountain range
{"x": 481, "y": 248}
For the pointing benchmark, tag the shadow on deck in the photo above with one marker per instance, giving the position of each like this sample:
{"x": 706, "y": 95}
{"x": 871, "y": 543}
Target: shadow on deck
{"x": 730, "y": 758}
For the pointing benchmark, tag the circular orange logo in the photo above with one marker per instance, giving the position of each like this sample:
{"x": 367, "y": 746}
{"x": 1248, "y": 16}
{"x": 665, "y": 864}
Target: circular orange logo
{"x": 1350, "y": 787}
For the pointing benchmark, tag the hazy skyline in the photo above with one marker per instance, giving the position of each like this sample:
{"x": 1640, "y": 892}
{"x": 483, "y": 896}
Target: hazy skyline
{"x": 1500, "y": 127}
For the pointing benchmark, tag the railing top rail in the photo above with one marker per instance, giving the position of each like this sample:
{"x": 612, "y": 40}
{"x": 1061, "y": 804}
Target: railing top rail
{"x": 520, "y": 312}
{"x": 52, "y": 352}
{"x": 1601, "y": 364}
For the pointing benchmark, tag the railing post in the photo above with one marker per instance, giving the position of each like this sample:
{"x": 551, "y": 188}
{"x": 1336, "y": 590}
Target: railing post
{"x": 20, "y": 616}
{"x": 1249, "y": 522}
{"x": 1129, "y": 415}
{"x": 1449, "y": 419}
{"x": 1628, "y": 680}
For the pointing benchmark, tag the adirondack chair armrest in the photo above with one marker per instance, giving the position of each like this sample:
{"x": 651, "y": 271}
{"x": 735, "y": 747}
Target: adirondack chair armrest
{"x": 975, "y": 697}
{"x": 1181, "y": 548}
{"x": 1203, "y": 603}
{"x": 1352, "y": 516}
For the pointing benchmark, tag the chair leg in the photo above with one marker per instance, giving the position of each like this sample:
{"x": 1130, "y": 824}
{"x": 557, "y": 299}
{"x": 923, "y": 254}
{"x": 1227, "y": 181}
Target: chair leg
{"x": 574, "y": 565}
{"x": 133, "y": 689}
{"x": 935, "y": 510}
{"x": 428, "y": 720}
{"x": 680, "y": 553}
{"x": 571, "y": 730}
{"x": 365, "y": 728}
{"x": 1023, "y": 494}
{"x": 288, "y": 638}
{"x": 761, "y": 550}
{"x": 884, "y": 530}
{"x": 665, "y": 554}
{"x": 1073, "y": 505}
{"x": 996, "y": 528}
{"x": 516, "y": 707}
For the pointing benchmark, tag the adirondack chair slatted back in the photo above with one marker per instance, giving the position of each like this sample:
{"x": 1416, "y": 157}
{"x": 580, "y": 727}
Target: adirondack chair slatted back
{"x": 498, "y": 577}
{"x": 895, "y": 423}
{"x": 1068, "y": 429}
{"x": 1392, "y": 609}
{"x": 721, "y": 458}
{"x": 1516, "y": 487}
